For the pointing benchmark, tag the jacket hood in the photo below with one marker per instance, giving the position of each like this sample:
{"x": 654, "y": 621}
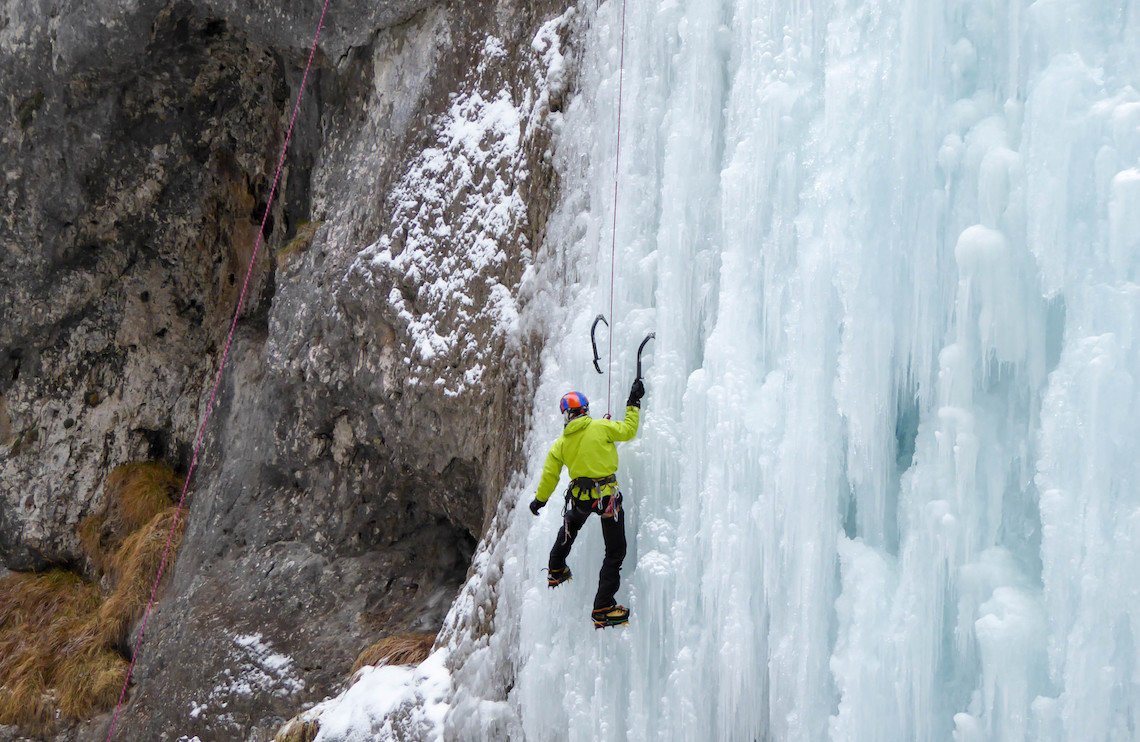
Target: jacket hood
{"x": 577, "y": 425}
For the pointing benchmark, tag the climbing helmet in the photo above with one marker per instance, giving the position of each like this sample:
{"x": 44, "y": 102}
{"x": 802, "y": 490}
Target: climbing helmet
{"x": 574, "y": 404}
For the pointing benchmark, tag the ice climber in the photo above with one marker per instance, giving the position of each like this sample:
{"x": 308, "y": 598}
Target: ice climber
{"x": 586, "y": 447}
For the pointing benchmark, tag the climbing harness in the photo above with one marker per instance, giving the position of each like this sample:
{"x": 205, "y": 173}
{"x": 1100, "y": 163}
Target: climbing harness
{"x": 217, "y": 378}
{"x": 607, "y": 506}
{"x": 588, "y": 486}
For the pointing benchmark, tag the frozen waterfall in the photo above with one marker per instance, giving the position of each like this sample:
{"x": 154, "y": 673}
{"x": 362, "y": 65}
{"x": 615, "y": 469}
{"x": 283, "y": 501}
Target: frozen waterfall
{"x": 886, "y": 482}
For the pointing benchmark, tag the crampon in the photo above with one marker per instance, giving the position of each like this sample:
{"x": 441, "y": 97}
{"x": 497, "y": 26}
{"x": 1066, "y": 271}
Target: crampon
{"x": 555, "y": 577}
{"x": 615, "y": 615}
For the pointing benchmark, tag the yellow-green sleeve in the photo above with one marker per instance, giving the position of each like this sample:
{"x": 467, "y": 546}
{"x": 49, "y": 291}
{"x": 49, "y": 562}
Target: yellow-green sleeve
{"x": 627, "y": 428}
{"x": 551, "y": 470}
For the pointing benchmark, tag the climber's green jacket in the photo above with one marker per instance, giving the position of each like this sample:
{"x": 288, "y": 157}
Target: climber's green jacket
{"x": 586, "y": 447}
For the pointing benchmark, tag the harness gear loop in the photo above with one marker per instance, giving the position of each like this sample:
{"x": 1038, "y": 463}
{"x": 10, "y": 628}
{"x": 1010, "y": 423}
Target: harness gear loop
{"x": 612, "y": 508}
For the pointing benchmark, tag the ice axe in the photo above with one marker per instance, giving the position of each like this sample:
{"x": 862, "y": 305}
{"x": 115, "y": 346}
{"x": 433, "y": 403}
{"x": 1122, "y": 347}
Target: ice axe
{"x": 594, "y": 341}
{"x": 640, "y": 348}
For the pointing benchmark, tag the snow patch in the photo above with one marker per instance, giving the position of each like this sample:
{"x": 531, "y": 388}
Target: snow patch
{"x": 255, "y": 669}
{"x": 388, "y": 702}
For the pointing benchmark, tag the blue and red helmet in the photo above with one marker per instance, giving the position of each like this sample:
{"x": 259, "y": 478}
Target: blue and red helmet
{"x": 574, "y": 404}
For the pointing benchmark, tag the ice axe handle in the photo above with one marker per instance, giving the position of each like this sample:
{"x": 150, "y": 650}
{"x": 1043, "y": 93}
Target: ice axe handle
{"x": 648, "y": 337}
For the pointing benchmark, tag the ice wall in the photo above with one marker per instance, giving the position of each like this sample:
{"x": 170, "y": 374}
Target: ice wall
{"x": 886, "y": 482}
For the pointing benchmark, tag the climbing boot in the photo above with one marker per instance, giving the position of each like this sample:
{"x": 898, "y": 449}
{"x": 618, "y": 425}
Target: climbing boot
{"x": 555, "y": 577}
{"x": 615, "y": 615}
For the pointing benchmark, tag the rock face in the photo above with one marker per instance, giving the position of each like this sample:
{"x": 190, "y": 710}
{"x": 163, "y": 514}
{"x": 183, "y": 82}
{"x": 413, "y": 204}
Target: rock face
{"x": 379, "y": 379}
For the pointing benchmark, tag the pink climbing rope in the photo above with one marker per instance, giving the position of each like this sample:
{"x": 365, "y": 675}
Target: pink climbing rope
{"x": 218, "y": 378}
{"x": 613, "y": 241}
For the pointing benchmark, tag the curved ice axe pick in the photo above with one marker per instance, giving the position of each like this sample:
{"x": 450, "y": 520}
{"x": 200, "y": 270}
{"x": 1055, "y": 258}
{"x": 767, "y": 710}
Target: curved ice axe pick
{"x": 640, "y": 348}
{"x": 594, "y": 342}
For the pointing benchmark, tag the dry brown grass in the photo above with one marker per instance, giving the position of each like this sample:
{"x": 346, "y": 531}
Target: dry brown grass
{"x": 58, "y": 635}
{"x": 401, "y": 649}
{"x": 47, "y": 660}
{"x": 133, "y": 495}
{"x": 143, "y": 490}
{"x": 134, "y": 568}
{"x": 298, "y": 730}
{"x": 90, "y": 538}
{"x": 300, "y": 243}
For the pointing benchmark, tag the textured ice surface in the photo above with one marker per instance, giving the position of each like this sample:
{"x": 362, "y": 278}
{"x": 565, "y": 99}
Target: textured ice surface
{"x": 887, "y": 483}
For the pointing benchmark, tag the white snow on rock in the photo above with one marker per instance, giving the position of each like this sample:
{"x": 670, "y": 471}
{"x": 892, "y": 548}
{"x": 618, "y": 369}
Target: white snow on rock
{"x": 255, "y": 668}
{"x": 458, "y": 214}
{"x": 388, "y": 702}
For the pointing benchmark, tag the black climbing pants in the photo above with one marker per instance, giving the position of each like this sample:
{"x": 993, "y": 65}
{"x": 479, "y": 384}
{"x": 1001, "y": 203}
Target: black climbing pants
{"x": 613, "y": 532}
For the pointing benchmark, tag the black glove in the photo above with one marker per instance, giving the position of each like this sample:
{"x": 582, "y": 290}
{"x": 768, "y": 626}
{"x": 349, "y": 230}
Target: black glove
{"x": 536, "y": 505}
{"x": 636, "y": 392}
